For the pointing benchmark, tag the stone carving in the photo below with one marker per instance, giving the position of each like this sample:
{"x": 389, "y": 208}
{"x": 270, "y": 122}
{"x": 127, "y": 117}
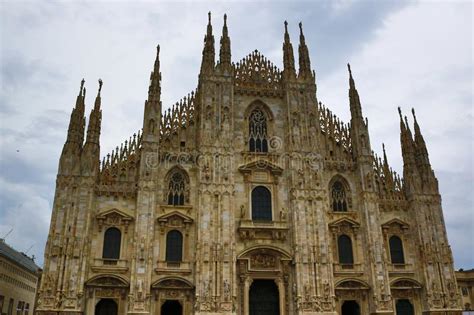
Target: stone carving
{"x": 263, "y": 261}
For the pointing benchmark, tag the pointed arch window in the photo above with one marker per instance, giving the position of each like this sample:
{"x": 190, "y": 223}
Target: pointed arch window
{"x": 396, "y": 250}
{"x": 112, "y": 241}
{"x": 174, "y": 246}
{"x": 339, "y": 198}
{"x": 261, "y": 204}
{"x": 258, "y": 131}
{"x": 176, "y": 189}
{"x": 344, "y": 247}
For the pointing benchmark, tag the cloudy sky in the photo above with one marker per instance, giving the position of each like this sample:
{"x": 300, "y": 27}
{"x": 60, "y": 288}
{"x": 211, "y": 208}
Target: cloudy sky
{"x": 408, "y": 54}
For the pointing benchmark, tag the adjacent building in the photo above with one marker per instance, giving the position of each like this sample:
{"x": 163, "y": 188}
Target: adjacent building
{"x": 465, "y": 279}
{"x": 18, "y": 281}
{"x": 248, "y": 196}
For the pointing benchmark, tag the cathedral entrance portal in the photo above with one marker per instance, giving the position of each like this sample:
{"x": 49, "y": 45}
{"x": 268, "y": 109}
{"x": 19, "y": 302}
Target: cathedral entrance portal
{"x": 171, "y": 307}
{"x": 106, "y": 307}
{"x": 350, "y": 308}
{"x": 264, "y": 298}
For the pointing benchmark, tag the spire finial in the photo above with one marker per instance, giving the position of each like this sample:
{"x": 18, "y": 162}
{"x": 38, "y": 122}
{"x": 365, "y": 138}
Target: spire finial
{"x": 225, "y": 19}
{"x": 158, "y": 49}
{"x": 82, "y": 86}
{"x": 100, "y": 86}
{"x": 349, "y": 68}
{"x": 413, "y": 112}
{"x": 209, "y": 17}
{"x": 301, "y": 28}
{"x": 400, "y": 113}
{"x": 286, "y": 27}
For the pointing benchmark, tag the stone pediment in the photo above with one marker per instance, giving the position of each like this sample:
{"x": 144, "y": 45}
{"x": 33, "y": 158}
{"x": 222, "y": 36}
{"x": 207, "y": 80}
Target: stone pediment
{"x": 113, "y": 217}
{"x": 404, "y": 284}
{"x": 257, "y": 75}
{"x": 352, "y": 284}
{"x": 396, "y": 222}
{"x": 259, "y": 166}
{"x": 173, "y": 216}
{"x": 107, "y": 281}
{"x": 172, "y": 283}
{"x": 344, "y": 222}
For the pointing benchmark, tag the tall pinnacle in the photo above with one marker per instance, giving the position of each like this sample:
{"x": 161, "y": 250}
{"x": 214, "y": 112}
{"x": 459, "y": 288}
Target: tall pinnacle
{"x": 304, "y": 61}
{"x": 422, "y": 151}
{"x": 356, "y": 108}
{"x": 289, "y": 71}
{"x": 77, "y": 120}
{"x": 154, "y": 90}
{"x": 208, "y": 53}
{"x": 225, "y": 53}
{"x": 95, "y": 118}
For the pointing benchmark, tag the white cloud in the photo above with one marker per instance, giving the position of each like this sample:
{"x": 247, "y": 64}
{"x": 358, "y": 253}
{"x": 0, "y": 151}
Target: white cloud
{"x": 421, "y": 57}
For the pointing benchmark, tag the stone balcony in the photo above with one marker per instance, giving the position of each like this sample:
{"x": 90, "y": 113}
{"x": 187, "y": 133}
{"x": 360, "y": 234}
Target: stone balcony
{"x": 177, "y": 267}
{"x": 348, "y": 269}
{"x": 110, "y": 265}
{"x": 263, "y": 230}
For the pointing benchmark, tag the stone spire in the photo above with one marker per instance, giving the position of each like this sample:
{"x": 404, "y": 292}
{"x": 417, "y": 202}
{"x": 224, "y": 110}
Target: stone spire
{"x": 208, "y": 53}
{"x": 410, "y": 172}
{"x": 304, "y": 61}
{"x": 225, "y": 52}
{"x": 289, "y": 71}
{"x": 77, "y": 121}
{"x": 421, "y": 150}
{"x": 152, "y": 115}
{"x": 386, "y": 169}
{"x": 359, "y": 126}
{"x": 154, "y": 90}
{"x": 95, "y": 118}
{"x": 69, "y": 162}
{"x": 90, "y": 156}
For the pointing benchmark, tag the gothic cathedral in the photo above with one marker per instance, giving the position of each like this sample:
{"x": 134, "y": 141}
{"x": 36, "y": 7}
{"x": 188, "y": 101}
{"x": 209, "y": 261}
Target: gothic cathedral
{"x": 247, "y": 197}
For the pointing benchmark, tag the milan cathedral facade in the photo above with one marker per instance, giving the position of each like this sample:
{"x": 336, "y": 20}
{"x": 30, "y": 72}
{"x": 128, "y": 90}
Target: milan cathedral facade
{"x": 247, "y": 197}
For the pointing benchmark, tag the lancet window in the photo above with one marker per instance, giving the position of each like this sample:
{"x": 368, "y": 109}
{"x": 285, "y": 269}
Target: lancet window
{"x": 396, "y": 250}
{"x": 339, "y": 198}
{"x": 258, "y": 131}
{"x": 261, "y": 204}
{"x": 344, "y": 244}
{"x": 174, "y": 246}
{"x": 112, "y": 241}
{"x": 176, "y": 189}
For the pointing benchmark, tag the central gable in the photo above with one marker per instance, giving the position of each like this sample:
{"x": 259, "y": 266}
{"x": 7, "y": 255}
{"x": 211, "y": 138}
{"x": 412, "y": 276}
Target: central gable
{"x": 256, "y": 75}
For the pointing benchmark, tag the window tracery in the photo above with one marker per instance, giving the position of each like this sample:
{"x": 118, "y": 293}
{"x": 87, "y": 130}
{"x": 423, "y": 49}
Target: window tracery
{"x": 339, "y": 198}
{"x": 258, "y": 141}
{"x": 176, "y": 189}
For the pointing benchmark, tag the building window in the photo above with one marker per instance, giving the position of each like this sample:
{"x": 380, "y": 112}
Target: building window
{"x": 339, "y": 200}
{"x": 176, "y": 189}
{"x": 464, "y": 291}
{"x": 10, "y": 307}
{"x": 396, "y": 250}
{"x": 261, "y": 204}
{"x": 2, "y": 299}
{"x": 174, "y": 246}
{"x": 19, "y": 307}
{"x": 112, "y": 240}
{"x": 258, "y": 132}
{"x": 27, "y": 308}
{"x": 344, "y": 246}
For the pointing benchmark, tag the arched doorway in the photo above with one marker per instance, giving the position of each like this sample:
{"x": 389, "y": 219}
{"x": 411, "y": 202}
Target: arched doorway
{"x": 263, "y": 298}
{"x": 171, "y": 307}
{"x": 106, "y": 307}
{"x": 350, "y": 308}
{"x": 404, "y": 307}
